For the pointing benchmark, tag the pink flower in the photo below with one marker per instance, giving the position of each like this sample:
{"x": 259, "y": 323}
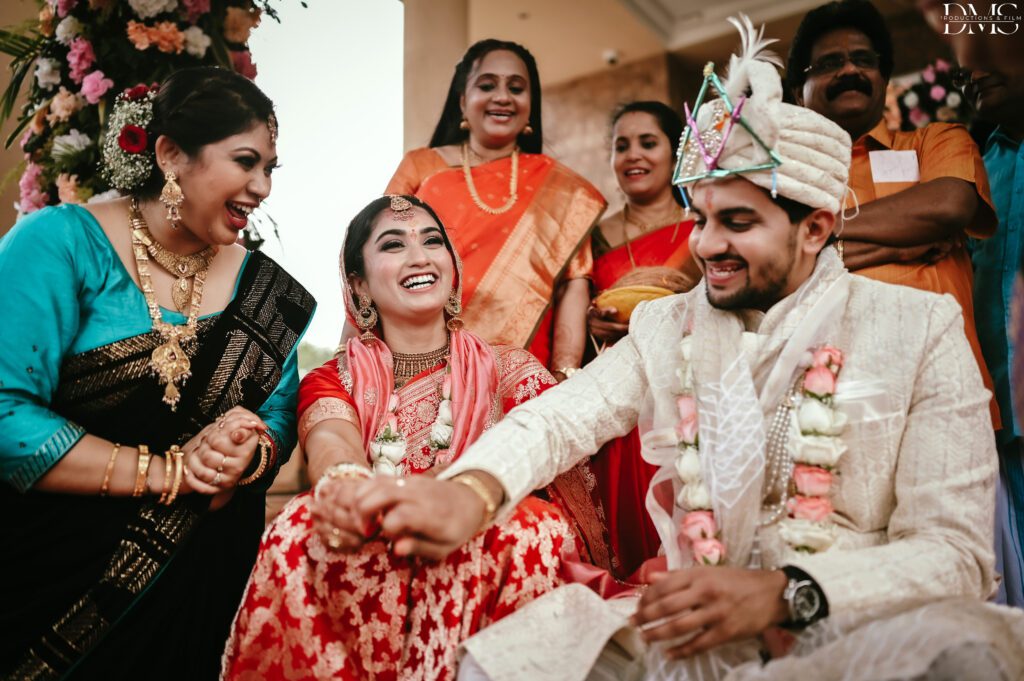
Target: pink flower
{"x": 815, "y": 509}
{"x": 138, "y": 35}
{"x": 937, "y": 93}
{"x": 828, "y": 356}
{"x": 94, "y": 86}
{"x": 699, "y": 525}
{"x": 65, "y": 6}
{"x": 31, "y": 196}
{"x": 708, "y": 552}
{"x": 687, "y": 407}
{"x": 812, "y": 481}
{"x": 81, "y": 57}
{"x": 820, "y": 381}
{"x": 241, "y": 60}
{"x": 928, "y": 75}
{"x": 392, "y": 423}
{"x": 446, "y": 387}
{"x": 919, "y": 118}
{"x": 393, "y": 403}
{"x": 686, "y": 431}
{"x": 942, "y": 66}
{"x": 67, "y": 188}
{"x": 195, "y": 9}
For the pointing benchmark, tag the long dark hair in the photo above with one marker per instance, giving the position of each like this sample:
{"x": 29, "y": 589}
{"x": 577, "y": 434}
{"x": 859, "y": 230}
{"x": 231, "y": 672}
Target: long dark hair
{"x": 200, "y": 106}
{"x": 448, "y": 131}
{"x": 670, "y": 122}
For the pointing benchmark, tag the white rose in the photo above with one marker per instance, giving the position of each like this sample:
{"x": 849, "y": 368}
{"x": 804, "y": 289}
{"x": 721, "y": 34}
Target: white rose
{"x": 807, "y": 534}
{"x": 71, "y": 143}
{"x": 391, "y": 451}
{"x": 147, "y": 9}
{"x": 444, "y": 412}
{"x": 953, "y": 99}
{"x": 688, "y": 466}
{"x": 441, "y": 434}
{"x": 385, "y": 467}
{"x": 67, "y": 29}
{"x": 47, "y": 73}
{"x": 196, "y": 42}
{"x": 686, "y": 347}
{"x": 910, "y": 99}
{"x": 817, "y": 417}
{"x": 695, "y": 497}
{"x": 816, "y": 450}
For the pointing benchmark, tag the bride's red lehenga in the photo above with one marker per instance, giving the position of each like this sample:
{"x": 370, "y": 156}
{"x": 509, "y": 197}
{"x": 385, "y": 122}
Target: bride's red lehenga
{"x": 312, "y": 613}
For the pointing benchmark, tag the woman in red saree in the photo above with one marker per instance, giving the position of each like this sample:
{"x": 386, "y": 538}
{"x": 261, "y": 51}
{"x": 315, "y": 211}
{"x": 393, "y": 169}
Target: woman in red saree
{"x": 519, "y": 220}
{"x": 646, "y": 243}
{"x": 336, "y": 591}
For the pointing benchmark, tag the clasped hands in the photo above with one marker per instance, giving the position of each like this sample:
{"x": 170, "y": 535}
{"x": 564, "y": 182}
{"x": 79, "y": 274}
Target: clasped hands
{"x": 218, "y": 455}
{"x": 420, "y": 515}
{"x": 709, "y": 606}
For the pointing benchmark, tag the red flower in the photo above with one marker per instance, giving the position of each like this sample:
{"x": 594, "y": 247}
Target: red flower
{"x": 134, "y": 94}
{"x": 132, "y": 139}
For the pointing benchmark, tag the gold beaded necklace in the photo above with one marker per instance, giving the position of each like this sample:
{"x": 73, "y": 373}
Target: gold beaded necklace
{"x": 627, "y": 220}
{"x": 409, "y": 365}
{"x": 184, "y": 267}
{"x": 513, "y": 183}
{"x": 169, "y": 360}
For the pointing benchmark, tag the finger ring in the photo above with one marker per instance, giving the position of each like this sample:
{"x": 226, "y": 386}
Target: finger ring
{"x": 334, "y": 542}
{"x": 220, "y": 423}
{"x": 216, "y": 478}
{"x": 224, "y": 458}
{"x": 400, "y": 482}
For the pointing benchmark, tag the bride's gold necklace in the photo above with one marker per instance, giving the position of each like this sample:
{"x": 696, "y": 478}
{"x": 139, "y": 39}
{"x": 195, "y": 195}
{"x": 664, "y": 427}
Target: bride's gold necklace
{"x": 184, "y": 267}
{"x": 169, "y": 360}
{"x": 409, "y": 365}
{"x": 513, "y": 183}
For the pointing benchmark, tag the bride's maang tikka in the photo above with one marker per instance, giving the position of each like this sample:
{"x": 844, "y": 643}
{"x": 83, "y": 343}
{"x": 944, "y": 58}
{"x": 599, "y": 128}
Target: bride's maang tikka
{"x": 401, "y": 207}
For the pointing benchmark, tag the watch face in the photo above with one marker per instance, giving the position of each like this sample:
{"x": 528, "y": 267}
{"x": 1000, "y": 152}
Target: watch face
{"x": 806, "y": 603}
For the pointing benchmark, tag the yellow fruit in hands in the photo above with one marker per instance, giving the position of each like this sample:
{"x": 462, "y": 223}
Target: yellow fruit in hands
{"x": 626, "y": 298}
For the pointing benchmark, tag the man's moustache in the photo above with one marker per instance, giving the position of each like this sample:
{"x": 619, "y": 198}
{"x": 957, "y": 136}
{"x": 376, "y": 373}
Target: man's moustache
{"x": 855, "y": 84}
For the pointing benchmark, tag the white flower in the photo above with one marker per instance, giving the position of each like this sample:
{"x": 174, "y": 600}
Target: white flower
{"x": 688, "y": 466}
{"x": 393, "y": 451}
{"x": 816, "y": 450}
{"x": 685, "y": 376}
{"x": 441, "y": 434}
{"x": 67, "y": 29}
{"x": 953, "y": 99}
{"x": 196, "y": 42}
{"x": 910, "y": 99}
{"x": 104, "y": 196}
{"x": 444, "y": 412}
{"x": 820, "y": 419}
{"x": 686, "y": 347}
{"x": 71, "y": 143}
{"x": 385, "y": 467}
{"x": 47, "y": 73}
{"x": 147, "y": 9}
{"x": 807, "y": 534}
{"x": 695, "y": 497}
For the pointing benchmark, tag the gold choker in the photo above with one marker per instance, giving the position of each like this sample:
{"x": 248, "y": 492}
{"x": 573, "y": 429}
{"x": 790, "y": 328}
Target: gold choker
{"x": 409, "y": 365}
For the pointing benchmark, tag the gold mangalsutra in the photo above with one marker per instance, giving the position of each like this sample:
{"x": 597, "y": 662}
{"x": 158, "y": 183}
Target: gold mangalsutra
{"x": 627, "y": 220}
{"x": 513, "y": 183}
{"x": 409, "y": 365}
{"x": 184, "y": 267}
{"x": 169, "y": 360}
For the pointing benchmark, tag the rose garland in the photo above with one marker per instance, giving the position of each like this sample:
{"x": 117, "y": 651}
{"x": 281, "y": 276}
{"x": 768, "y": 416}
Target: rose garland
{"x": 816, "y": 449}
{"x": 388, "y": 448}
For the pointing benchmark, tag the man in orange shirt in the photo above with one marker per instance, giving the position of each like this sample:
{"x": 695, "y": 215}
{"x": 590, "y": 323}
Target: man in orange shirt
{"x": 919, "y": 193}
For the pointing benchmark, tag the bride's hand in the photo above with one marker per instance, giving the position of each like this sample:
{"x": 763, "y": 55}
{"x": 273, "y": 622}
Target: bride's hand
{"x": 335, "y": 517}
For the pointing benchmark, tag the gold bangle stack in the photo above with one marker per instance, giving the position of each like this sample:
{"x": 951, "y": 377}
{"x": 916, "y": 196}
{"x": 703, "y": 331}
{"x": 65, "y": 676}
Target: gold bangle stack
{"x": 105, "y": 487}
{"x": 178, "y": 456}
{"x": 490, "y": 503}
{"x": 143, "y": 471}
{"x": 347, "y": 470}
{"x": 267, "y": 456}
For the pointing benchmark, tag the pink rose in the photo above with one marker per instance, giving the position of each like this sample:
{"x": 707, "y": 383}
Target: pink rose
{"x": 699, "y": 525}
{"x": 828, "y": 356}
{"x": 195, "y": 9}
{"x": 937, "y": 93}
{"x": 820, "y": 381}
{"x": 942, "y": 66}
{"x": 32, "y": 197}
{"x": 65, "y": 6}
{"x": 708, "y": 552}
{"x": 815, "y": 509}
{"x": 686, "y": 431}
{"x": 919, "y": 118}
{"x": 94, "y": 86}
{"x": 242, "y": 62}
{"x": 81, "y": 57}
{"x": 812, "y": 481}
{"x": 393, "y": 403}
{"x": 928, "y": 75}
{"x": 687, "y": 406}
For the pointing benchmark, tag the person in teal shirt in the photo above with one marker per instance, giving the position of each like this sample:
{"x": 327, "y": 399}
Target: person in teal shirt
{"x": 148, "y": 379}
{"x": 995, "y": 67}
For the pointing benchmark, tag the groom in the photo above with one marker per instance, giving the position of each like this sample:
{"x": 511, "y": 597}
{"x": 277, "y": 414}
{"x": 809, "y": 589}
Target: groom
{"x": 825, "y": 450}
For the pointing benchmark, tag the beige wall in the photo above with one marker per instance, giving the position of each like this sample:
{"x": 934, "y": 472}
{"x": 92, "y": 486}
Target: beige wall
{"x": 11, "y": 12}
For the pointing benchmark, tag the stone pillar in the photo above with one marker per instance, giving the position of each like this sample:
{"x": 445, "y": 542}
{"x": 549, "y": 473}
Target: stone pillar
{"x": 436, "y": 36}
{"x": 12, "y": 13}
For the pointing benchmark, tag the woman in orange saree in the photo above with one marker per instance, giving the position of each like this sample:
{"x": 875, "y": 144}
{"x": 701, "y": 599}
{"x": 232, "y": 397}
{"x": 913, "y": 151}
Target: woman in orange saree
{"x": 643, "y": 245}
{"x": 336, "y": 591}
{"x": 519, "y": 220}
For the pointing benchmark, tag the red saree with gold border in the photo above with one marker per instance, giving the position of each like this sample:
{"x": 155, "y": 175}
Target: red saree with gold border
{"x": 513, "y": 262}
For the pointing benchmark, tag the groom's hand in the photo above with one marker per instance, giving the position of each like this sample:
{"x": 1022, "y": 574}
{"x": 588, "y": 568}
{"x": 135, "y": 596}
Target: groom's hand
{"x": 711, "y": 605}
{"x": 424, "y": 516}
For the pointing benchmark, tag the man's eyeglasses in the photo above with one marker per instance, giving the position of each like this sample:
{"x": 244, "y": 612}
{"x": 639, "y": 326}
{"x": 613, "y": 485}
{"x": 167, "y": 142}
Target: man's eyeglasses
{"x": 830, "y": 63}
{"x": 960, "y": 76}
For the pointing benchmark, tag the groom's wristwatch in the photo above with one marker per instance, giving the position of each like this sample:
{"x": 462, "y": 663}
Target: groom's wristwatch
{"x": 804, "y": 598}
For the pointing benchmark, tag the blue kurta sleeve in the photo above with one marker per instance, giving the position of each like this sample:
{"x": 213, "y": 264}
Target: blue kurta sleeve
{"x": 41, "y": 265}
{"x": 278, "y": 412}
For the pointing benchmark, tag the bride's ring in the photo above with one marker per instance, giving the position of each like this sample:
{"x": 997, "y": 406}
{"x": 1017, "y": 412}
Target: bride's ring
{"x": 400, "y": 482}
{"x": 334, "y": 541}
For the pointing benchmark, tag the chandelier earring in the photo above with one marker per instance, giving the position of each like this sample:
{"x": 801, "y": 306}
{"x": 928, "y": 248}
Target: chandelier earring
{"x": 454, "y": 308}
{"x": 366, "y": 317}
{"x": 528, "y": 130}
{"x": 463, "y": 124}
{"x": 172, "y": 197}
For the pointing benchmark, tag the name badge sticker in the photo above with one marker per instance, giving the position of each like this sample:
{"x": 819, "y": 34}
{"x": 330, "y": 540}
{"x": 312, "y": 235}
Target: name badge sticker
{"x": 894, "y": 166}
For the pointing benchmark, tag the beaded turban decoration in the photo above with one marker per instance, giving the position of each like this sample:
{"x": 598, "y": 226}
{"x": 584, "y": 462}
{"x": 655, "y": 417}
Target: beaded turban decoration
{"x": 786, "y": 149}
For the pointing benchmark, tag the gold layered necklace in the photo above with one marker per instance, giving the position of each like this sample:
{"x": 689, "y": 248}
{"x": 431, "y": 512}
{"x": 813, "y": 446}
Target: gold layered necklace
{"x": 513, "y": 183}
{"x": 409, "y": 365}
{"x": 184, "y": 267}
{"x": 628, "y": 220}
{"x": 169, "y": 360}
